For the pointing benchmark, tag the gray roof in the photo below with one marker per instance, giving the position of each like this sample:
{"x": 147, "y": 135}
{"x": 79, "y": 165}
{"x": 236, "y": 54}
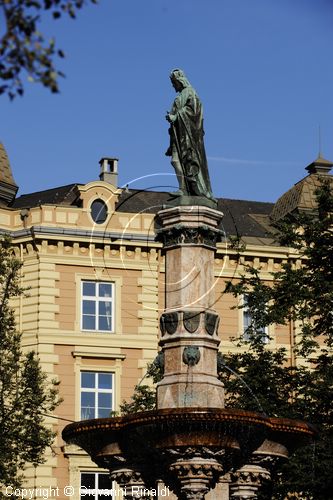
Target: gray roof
{"x": 63, "y": 195}
{"x": 241, "y": 217}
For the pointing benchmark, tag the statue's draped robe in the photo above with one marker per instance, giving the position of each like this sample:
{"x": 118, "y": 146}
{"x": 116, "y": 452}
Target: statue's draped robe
{"x": 186, "y": 136}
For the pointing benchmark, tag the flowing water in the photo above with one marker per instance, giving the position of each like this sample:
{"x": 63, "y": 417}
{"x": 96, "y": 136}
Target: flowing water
{"x": 248, "y": 388}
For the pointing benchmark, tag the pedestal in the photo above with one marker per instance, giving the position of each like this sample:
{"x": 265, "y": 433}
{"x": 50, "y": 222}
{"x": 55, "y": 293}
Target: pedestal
{"x": 189, "y": 324}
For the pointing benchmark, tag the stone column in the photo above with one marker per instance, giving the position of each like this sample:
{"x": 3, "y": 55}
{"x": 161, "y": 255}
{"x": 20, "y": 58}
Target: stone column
{"x": 189, "y": 324}
{"x": 248, "y": 481}
{"x": 131, "y": 484}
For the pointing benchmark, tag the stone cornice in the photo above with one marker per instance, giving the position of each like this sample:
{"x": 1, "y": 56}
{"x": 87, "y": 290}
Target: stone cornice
{"x": 97, "y": 354}
{"x": 60, "y": 232}
{"x": 89, "y": 341}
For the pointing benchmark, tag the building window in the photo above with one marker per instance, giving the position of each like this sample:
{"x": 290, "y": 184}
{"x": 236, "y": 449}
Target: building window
{"x": 99, "y": 211}
{"x": 96, "y": 394}
{"x": 94, "y": 484}
{"x": 248, "y": 324}
{"x": 98, "y": 306}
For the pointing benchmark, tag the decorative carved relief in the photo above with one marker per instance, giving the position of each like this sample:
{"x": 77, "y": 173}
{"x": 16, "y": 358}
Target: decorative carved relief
{"x": 126, "y": 477}
{"x": 247, "y": 481}
{"x": 131, "y": 483}
{"x": 254, "y": 478}
{"x": 169, "y": 323}
{"x": 180, "y": 234}
{"x": 191, "y": 321}
{"x": 194, "y": 495}
{"x": 191, "y": 355}
{"x": 211, "y": 322}
{"x": 196, "y": 476}
{"x": 197, "y": 451}
{"x": 159, "y": 361}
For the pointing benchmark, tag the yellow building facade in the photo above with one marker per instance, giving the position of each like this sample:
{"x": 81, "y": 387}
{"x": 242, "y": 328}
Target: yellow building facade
{"x": 96, "y": 289}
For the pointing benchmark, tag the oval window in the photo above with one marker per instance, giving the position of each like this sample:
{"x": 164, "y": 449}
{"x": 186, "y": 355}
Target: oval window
{"x": 99, "y": 211}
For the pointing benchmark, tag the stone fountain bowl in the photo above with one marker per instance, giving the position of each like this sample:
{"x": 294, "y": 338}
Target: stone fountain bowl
{"x": 238, "y": 430}
{"x": 154, "y": 440}
{"x": 158, "y": 425}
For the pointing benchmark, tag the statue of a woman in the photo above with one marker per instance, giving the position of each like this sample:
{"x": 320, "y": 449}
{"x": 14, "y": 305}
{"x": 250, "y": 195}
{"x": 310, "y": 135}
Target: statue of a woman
{"x": 187, "y": 148}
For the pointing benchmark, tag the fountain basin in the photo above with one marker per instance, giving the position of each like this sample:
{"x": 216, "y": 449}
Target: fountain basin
{"x": 228, "y": 428}
{"x": 181, "y": 445}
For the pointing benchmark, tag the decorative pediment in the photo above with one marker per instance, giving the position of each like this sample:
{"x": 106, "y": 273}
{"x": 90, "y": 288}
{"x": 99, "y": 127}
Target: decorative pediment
{"x": 98, "y": 190}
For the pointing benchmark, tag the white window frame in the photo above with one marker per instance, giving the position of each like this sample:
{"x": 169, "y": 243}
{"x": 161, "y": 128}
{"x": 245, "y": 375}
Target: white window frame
{"x": 244, "y": 311}
{"x": 97, "y": 299}
{"x": 96, "y": 484}
{"x": 96, "y": 391}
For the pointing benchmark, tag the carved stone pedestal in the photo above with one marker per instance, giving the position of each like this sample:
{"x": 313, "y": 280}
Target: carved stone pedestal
{"x": 130, "y": 484}
{"x": 196, "y": 476}
{"x": 247, "y": 481}
{"x": 189, "y": 324}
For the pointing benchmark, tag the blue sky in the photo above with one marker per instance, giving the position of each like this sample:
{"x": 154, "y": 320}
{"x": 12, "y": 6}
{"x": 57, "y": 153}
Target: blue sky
{"x": 262, "y": 68}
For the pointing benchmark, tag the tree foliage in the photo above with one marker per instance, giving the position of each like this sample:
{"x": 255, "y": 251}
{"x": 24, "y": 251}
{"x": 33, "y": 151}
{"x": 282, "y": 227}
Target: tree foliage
{"x": 144, "y": 396}
{"x": 23, "y": 48}
{"x": 300, "y": 294}
{"x": 143, "y": 399}
{"x": 25, "y": 394}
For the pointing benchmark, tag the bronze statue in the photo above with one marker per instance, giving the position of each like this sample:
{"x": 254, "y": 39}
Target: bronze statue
{"x": 187, "y": 150}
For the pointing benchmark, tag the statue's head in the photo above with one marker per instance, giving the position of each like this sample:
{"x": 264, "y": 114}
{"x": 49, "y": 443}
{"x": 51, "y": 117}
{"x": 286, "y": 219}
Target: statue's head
{"x": 177, "y": 77}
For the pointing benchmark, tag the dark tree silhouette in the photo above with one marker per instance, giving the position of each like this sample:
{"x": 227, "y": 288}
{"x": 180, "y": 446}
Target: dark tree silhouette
{"x": 24, "y": 49}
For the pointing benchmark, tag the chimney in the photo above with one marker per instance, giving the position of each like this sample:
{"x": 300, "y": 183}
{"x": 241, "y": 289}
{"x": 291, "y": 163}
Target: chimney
{"x": 109, "y": 170}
